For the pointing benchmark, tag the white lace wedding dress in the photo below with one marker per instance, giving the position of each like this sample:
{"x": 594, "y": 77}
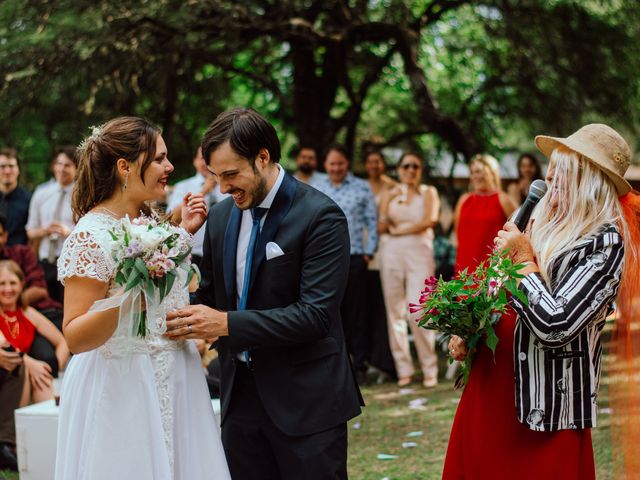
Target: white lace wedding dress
{"x": 132, "y": 408}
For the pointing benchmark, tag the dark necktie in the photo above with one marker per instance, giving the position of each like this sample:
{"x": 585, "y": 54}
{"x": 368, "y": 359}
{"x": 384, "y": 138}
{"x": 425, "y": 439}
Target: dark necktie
{"x": 257, "y": 213}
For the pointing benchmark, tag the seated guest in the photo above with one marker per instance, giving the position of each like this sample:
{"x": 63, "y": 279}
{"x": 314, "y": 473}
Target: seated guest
{"x": 15, "y": 199}
{"x": 35, "y": 292}
{"x": 202, "y": 182}
{"x": 30, "y": 332}
{"x": 11, "y": 385}
{"x": 50, "y": 217}
{"x": 307, "y": 165}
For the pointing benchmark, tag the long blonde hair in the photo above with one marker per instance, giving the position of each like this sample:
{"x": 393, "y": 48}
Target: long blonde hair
{"x": 586, "y": 201}
{"x": 491, "y": 166}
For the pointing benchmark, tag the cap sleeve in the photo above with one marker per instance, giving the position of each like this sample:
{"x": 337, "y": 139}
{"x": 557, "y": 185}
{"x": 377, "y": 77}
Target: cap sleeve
{"x": 84, "y": 255}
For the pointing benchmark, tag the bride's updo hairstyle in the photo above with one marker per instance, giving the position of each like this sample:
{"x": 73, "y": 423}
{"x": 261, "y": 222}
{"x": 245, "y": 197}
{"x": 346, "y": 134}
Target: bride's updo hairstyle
{"x": 97, "y": 178}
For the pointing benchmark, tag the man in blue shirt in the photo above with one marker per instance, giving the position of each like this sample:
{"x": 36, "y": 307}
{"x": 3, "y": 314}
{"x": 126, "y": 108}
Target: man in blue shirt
{"x": 355, "y": 198}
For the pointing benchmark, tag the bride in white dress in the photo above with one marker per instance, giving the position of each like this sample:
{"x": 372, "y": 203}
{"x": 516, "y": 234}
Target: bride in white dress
{"x": 131, "y": 408}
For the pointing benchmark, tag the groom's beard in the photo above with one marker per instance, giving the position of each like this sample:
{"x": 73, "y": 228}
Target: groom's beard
{"x": 260, "y": 192}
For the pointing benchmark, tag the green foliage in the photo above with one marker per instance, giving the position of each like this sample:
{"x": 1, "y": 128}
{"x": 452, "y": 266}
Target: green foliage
{"x": 500, "y": 71}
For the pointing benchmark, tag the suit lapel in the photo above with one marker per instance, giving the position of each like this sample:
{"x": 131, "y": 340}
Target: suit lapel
{"x": 279, "y": 209}
{"x": 229, "y": 255}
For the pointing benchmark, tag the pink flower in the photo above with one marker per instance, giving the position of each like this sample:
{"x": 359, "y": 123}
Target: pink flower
{"x": 434, "y": 311}
{"x": 424, "y": 297}
{"x": 431, "y": 281}
{"x": 414, "y": 308}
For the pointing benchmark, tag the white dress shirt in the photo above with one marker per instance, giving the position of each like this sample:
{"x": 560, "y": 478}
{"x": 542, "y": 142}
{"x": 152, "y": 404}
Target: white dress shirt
{"x": 42, "y": 211}
{"x": 194, "y": 185}
{"x": 245, "y": 232}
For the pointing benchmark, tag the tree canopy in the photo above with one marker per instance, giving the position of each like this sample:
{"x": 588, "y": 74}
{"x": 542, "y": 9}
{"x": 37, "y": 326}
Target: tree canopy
{"x": 439, "y": 75}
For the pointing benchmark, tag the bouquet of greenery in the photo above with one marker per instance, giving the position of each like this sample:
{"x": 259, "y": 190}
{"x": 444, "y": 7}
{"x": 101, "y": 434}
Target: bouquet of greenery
{"x": 149, "y": 254}
{"x": 470, "y": 304}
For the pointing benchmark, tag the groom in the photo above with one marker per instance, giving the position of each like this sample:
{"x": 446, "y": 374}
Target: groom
{"x": 276, "y": 258}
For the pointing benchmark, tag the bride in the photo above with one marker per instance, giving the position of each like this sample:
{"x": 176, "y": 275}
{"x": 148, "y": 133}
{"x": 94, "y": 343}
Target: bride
{"x": 131, "y": 407}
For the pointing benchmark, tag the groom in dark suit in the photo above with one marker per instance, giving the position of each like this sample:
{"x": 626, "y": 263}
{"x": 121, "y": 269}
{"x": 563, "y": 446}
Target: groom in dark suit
{"x": 275, "y": 265}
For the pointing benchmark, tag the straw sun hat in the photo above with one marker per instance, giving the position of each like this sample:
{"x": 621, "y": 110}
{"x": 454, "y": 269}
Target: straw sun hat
{"x": 600, "y": 144}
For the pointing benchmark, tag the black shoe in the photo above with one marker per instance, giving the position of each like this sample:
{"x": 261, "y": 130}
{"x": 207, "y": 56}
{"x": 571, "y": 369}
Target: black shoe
{"x": 8, "y": 459}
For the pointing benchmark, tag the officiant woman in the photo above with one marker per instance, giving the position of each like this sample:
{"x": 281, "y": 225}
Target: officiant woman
{"x": 529, "y": 413}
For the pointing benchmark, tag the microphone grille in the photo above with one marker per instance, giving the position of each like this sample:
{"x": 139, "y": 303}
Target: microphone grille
{"x": 537, "y": 189}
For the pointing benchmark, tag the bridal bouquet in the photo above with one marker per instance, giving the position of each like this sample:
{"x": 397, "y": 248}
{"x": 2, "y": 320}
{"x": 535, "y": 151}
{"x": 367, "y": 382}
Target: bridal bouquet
{"x": 471, "y": 304}
{"x": 149, "y": 254}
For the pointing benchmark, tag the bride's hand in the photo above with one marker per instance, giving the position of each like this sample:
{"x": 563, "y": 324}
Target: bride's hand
{"x": 458, "y": 348}
{"x": 194, "y": 212}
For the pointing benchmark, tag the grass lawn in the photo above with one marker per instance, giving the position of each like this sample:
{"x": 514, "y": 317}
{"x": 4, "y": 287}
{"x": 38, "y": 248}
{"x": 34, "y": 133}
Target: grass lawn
{"x": 387, "y": 419}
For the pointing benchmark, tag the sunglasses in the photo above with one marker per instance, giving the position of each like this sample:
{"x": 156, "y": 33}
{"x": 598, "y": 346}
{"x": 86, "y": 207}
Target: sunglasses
{"x": 412, "y": 166}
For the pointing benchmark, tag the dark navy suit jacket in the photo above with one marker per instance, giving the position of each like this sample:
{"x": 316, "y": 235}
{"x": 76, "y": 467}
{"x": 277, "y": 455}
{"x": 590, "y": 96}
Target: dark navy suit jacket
{"x": 292, "y": 323}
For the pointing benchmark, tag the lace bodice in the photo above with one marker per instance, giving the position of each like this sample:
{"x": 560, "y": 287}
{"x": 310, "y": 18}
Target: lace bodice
{"x": 87, "y": 253}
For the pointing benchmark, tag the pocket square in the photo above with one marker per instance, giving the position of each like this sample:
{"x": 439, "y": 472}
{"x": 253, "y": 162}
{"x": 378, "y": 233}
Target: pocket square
{"x": 273, "y": 250}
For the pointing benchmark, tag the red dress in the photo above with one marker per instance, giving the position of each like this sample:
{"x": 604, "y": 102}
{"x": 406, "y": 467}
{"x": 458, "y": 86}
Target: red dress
{"x": 17, "y": 330}
{"x": 481, "y": 216}
{"x": 487, "y": 440}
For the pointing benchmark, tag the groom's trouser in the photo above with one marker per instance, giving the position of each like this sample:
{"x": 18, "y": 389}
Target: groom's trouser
{"x": 257, "y": 450}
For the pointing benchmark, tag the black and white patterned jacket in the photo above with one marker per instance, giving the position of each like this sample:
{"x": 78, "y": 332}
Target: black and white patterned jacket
{"x": 557, "y": 346}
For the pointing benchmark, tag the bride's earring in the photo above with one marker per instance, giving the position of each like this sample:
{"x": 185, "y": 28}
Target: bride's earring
{"x": 126, "y": 181}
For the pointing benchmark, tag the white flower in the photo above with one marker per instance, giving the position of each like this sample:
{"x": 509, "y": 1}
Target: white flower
{"x": 150, "y": 239}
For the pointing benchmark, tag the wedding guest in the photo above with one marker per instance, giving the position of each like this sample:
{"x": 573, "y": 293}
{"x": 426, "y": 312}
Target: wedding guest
{"x": 408, "y": 214}
{"x": 30, "y": 332}
{"x": 380, "y": 352}
{"x": 376, "y": 168}
{"x": 528, "y": 410}
{"x": 35, "y": 288}
{"x": 205, "y": 183}
{"x": 307, "y": 165}
{"x": 15, "y": 198}
{"x": 353, "y": 195}
{"x": 12, "y": 381}
{"x": 480, "y": 214}
{"x": 50, "y": 217}
{"x": 528, "y": 170}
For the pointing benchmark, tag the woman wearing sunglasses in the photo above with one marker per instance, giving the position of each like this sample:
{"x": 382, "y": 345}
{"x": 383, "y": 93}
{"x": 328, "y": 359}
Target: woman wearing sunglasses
{"x": 481, "y": 213}
{"x": 408, "y": 214}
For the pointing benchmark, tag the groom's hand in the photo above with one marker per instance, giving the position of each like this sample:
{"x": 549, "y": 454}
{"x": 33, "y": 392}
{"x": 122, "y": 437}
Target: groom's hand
{"x": 196, "y": 321}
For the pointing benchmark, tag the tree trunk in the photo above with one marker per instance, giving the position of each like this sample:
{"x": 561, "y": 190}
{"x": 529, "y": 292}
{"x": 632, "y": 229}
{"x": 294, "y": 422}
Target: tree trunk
{"x": 447, "y": 128}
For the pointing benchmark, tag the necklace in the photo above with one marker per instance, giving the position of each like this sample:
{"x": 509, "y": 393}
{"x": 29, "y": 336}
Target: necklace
{"x": 13, "y": 326}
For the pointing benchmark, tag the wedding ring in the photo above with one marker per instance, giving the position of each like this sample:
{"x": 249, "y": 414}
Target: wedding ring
{"x": 189, "y": 328}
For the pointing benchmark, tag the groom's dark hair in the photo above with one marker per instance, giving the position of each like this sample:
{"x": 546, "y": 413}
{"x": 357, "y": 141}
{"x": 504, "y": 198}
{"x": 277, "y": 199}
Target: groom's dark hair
{"x": 247, "y": 132}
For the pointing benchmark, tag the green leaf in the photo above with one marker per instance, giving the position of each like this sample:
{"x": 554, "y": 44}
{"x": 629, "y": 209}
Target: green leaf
{"x": 162, "y": 286}
{"x": 142, "y": 268}
{"x": 520, "y": 295}
{"x": 491, "y": 340}
{"x": 171, "y": 278}
{"x": 120, "y": 278}
{"x": 502, "y": 296}
{"x": 133, "y": 280}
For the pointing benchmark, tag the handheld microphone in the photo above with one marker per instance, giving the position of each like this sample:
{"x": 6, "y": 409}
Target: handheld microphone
{"x": 536, "y": 191}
